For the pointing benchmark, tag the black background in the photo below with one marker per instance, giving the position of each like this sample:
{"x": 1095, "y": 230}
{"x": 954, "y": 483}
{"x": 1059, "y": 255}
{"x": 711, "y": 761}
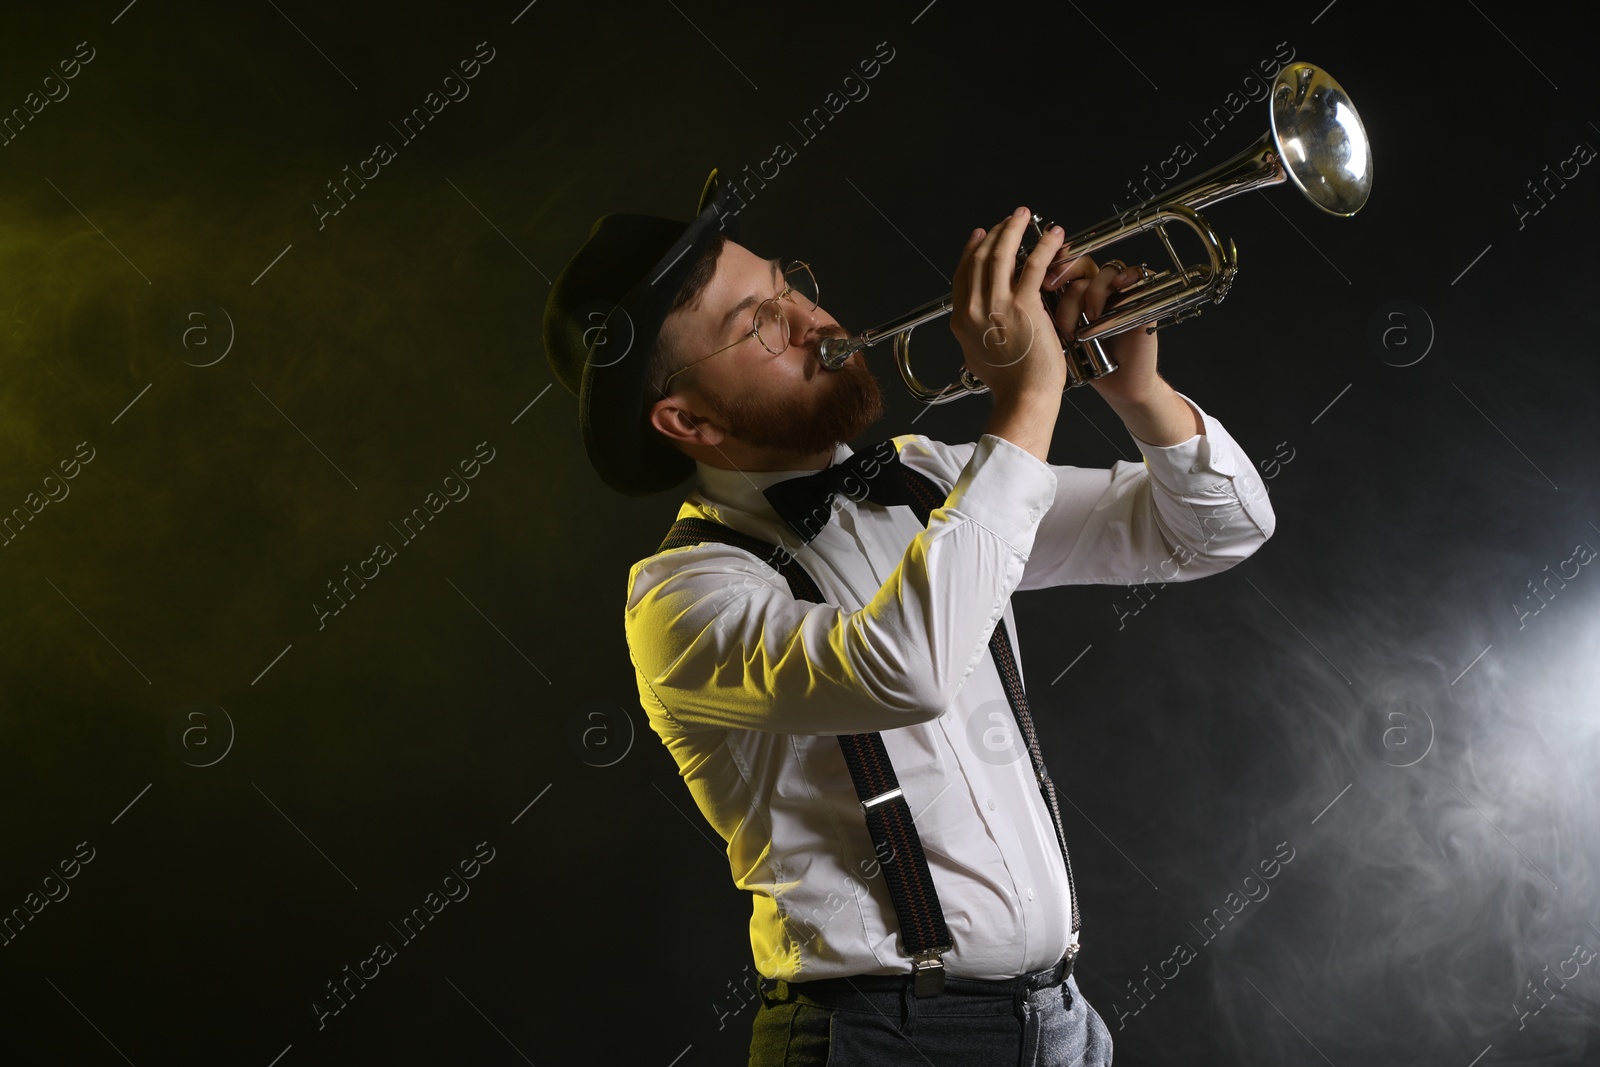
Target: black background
{"x": 467, "y": 694}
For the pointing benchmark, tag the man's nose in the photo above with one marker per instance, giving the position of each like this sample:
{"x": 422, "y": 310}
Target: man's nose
{"x": 796, "y": 305}
{"x": 802, "y": 322}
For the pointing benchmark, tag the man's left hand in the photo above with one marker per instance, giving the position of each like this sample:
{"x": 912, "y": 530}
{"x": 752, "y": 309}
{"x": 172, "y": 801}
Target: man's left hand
{"x": 1087, "y": 289}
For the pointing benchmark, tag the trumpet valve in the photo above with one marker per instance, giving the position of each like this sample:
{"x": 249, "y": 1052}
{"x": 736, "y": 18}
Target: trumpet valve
{"x": 1225, "y": 278}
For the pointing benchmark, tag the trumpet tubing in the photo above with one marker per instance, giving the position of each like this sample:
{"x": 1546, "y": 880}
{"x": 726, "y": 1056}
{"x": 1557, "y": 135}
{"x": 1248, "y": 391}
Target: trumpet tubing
{"x": 1314, "y": 141}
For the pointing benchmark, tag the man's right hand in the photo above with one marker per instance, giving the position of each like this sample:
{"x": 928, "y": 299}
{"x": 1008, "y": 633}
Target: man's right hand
{"x": 1007, "y": 335}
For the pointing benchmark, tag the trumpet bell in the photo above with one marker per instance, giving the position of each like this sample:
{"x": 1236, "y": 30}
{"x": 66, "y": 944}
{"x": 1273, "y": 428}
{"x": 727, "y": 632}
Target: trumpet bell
{"x": 1320, "y": 140}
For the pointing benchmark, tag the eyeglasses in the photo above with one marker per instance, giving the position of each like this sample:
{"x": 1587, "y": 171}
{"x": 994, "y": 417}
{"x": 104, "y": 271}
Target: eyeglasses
{"x": 771, "y": 324}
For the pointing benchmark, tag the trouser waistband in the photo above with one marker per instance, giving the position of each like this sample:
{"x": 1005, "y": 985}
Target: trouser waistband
{"x": 829, "y": 991}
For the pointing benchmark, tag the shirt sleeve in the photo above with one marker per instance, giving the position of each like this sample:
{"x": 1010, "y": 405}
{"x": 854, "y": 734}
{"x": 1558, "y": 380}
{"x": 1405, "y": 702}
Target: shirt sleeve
{"x": 719, "y": 642}
{"x": 1190, "y": 509}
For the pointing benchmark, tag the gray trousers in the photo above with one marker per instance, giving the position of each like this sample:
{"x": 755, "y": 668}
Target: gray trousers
{"x": 970, "y": 1024}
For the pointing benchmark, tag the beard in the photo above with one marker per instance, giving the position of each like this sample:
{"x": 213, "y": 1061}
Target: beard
{"x": 788, "y": 426}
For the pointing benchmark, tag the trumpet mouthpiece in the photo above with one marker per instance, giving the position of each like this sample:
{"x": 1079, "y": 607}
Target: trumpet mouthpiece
{"x": 832, "y": 352}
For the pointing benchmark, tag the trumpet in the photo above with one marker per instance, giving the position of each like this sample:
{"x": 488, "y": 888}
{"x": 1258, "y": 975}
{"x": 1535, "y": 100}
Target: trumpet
{"x": 1314, "y": 141}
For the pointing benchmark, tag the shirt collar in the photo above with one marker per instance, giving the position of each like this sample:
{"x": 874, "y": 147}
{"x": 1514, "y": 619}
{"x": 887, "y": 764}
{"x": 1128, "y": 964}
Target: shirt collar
{"x": 742, "y": 489}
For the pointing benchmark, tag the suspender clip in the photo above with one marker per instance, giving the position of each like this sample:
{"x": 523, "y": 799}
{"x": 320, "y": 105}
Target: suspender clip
{"x": 872, "y": 802}
{"x": 927, "y": 972}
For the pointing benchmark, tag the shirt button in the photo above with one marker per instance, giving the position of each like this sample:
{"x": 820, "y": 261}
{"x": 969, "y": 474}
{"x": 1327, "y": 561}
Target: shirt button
{"x": 991, "y": 803}
{"x": 1030, "y": 894}
{"x": 1033, "y": 513}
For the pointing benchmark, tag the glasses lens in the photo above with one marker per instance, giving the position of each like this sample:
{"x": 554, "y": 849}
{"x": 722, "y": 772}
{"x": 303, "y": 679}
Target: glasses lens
{"x": 772, "y": 327}
{"x": 798, "y": 277}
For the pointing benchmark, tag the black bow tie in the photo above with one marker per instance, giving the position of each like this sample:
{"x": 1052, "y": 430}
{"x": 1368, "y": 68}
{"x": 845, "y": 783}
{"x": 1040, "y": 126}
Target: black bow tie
{"x": 873, "y": 473}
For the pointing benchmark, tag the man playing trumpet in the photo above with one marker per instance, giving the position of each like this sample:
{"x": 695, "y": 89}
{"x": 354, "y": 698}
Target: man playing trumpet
{"x": 820, "y": 615}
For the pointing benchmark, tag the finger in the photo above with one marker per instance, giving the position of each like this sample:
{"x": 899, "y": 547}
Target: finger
{"x": 1070, "y": 307}
{"x": 1068, "y": 269}
{"x": 1105, "y": 280}
{"x": 976, "y": 263}
{"x": 1033, "y": 271}
{"x": 962, "y": 280}
{"x": 1002, "y": 257}
{"x": 983, "y": 259}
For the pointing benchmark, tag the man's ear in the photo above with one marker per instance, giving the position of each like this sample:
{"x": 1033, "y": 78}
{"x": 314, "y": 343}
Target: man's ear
{"x": 680, "y": 426}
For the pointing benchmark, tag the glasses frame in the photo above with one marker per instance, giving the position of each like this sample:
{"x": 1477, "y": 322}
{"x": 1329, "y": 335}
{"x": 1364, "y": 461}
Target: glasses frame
{"x": 755, "y": 318}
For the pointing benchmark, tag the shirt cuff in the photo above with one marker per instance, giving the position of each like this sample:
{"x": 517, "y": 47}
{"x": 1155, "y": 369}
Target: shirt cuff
{"x": 1198, "y": 464}
{"x": 1015, "y": 490}
{"x": 1209, "y": 463}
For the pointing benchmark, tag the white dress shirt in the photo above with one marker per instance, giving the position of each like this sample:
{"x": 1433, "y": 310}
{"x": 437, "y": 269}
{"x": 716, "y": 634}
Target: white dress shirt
{"x": 747, "y": 686}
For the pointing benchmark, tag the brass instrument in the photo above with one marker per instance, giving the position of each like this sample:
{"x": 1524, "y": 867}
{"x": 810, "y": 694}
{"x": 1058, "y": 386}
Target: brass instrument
{"x": 1314, "y": 140}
